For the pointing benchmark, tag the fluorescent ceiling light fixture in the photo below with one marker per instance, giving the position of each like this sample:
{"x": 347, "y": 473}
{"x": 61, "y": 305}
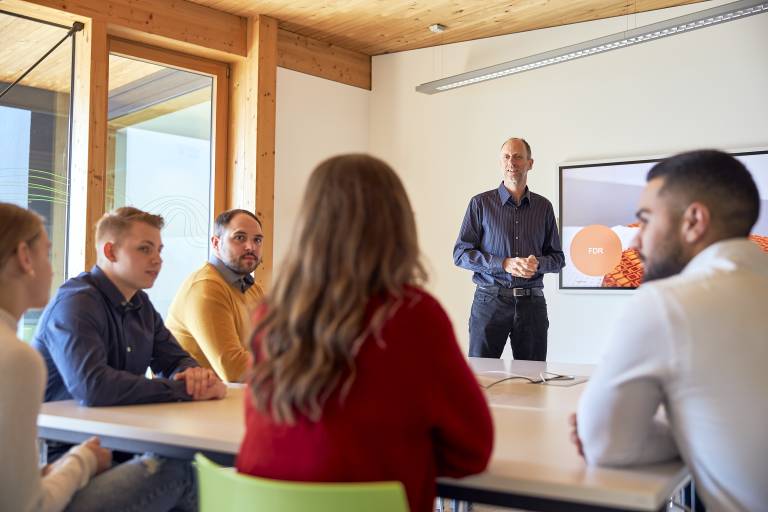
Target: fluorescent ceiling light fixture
{"x": 687, "y": 23}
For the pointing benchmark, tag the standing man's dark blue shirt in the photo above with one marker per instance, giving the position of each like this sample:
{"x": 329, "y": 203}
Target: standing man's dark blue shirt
{"x": 97, "y": 346}
{"x": 496, "y": 228}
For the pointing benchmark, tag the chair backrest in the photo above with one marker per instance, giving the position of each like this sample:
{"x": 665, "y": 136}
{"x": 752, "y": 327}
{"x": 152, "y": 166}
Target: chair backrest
{"x": 225, "y": 490}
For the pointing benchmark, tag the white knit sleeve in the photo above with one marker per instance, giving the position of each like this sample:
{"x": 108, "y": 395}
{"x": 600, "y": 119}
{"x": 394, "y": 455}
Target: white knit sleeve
{"x": 22, "y": 381}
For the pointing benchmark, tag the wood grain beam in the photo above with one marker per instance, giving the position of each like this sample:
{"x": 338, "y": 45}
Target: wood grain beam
{"x": 89, "y": 143}
{"x": 324, "y": 60}
{"x": 174, "y": 24}
{"x": 200, "y": 31}
{"x": 252, "y": 134}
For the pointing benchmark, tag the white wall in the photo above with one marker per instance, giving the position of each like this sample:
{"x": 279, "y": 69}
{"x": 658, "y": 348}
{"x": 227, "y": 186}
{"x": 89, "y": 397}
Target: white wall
{"x": 316, "y": 119}
{"x": 704, "y": 88}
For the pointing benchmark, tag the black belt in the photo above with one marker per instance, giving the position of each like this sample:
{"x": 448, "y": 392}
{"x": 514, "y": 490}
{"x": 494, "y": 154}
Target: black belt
{"x": 512, "y": 292}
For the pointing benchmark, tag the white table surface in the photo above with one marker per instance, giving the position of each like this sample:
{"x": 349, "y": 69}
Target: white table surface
{"x": 532, "y": 458}
{"x": 214, "y": 425}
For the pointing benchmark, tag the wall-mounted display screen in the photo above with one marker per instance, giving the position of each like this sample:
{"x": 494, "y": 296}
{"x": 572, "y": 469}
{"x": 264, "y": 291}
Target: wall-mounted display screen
{"x": 598, "y": 202}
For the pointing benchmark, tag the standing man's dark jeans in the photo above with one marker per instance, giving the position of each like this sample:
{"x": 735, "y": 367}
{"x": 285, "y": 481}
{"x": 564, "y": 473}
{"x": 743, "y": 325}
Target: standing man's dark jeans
{"x": 497, "y": 315}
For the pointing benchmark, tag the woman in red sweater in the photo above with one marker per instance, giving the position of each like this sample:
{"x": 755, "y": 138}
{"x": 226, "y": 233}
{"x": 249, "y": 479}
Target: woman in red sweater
{"x": 357, "y": 374}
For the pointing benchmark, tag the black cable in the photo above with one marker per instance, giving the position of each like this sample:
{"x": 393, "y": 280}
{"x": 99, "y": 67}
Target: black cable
{"x": 542, "y": 380}
{"x": 489, "y": 386}
{"x": 76, "y": 27}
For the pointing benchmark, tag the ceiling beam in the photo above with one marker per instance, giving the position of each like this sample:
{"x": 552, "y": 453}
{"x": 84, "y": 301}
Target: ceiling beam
{"x": 190, "y": 28}
{"x": 324, "y": 60}
{"x": 177, "y": 25}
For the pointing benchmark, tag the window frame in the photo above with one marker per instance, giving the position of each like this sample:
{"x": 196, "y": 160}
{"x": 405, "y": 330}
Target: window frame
{"x": 219, "y": 71}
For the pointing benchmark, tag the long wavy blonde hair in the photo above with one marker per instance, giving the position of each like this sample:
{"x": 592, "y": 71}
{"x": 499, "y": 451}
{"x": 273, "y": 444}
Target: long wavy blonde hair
{"x": 355, "y": 240}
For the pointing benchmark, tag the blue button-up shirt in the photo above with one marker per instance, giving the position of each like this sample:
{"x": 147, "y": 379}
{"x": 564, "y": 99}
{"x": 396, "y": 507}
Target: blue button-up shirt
{"x": 97, "y": 346}
{"x": 496, "y": 228}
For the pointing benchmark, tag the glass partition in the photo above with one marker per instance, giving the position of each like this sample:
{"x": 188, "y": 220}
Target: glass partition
{"x": 34, "y": 131}
{"x": 159, "y": 159}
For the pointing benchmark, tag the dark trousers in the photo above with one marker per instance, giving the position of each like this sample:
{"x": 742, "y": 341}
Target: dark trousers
{"x": 495, "y": 317}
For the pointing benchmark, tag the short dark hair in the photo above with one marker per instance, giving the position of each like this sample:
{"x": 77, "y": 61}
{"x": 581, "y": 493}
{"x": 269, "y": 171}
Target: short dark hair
{"x": 525, "y": 143}
{"x": 224, "y": 218}
{"x": 716, "y": 179}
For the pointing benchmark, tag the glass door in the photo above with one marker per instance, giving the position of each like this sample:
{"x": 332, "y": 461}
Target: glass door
{"x": 160, "y": 157}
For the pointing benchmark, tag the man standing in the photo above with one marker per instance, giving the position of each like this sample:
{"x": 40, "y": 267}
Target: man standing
{"x": 694, "y": 339}
{"x": 100, "y": 332}
{"x": 210, "y": 315}
{"x": 509, "y": 239}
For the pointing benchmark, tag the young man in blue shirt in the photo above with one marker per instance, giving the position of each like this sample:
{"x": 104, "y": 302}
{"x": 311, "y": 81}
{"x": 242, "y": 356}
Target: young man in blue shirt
{"x": 98, "y": 336}
{"x": 100, "y": 332}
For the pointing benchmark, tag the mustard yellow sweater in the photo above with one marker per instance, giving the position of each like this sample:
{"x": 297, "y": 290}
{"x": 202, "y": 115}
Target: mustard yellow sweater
{"x": 211, "y": 319}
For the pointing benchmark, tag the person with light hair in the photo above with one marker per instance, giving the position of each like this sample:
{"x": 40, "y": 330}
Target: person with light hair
{"x": 83, "y": 479}
{"x": 100, "y": 332}
{"x": 357, "y": 375}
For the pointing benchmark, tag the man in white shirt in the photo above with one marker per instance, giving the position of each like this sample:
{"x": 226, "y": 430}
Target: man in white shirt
{"x": 695, "y": 340}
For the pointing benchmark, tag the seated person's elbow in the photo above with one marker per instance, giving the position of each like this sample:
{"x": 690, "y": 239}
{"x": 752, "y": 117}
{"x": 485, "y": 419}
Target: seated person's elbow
{"x": 606, "y": 450}
{"x": 93, "y": 400}
{"x": 92, "y": 394}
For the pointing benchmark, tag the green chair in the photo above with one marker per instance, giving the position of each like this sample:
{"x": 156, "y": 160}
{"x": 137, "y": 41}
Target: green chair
{"x": 225, "y": 490}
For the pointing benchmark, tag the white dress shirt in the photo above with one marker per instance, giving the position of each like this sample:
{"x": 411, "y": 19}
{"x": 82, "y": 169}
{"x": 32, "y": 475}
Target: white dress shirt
{"x": 22, "y": 381}
{"x": 696, "y": 344}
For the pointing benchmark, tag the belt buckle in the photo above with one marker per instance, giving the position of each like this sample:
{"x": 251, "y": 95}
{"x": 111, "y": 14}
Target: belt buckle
{"x": 518, "y": 292}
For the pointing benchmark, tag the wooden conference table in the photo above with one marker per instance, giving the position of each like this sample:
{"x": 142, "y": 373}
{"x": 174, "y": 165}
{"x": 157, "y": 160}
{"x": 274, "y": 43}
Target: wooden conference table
{"x": 533, "y": 466}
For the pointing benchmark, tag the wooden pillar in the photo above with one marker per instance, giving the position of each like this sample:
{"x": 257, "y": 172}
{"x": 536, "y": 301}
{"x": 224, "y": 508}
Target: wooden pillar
{"x": 89, "y": 143}
{"x": 252, "y": 135}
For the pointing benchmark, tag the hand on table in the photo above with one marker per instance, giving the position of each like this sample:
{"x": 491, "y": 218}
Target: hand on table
{"x": 575, "y": 433}
{"x": 521, "y": 267}
{"x": 202, "y": 383}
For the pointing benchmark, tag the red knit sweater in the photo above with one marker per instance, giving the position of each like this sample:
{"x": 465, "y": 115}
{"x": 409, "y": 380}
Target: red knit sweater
{"x": 414, "y": 412}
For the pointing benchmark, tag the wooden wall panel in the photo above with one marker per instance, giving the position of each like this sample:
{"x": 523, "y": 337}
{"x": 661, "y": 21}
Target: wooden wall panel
{"x": 89, "y": 143}
{"x": 252, "y": 133}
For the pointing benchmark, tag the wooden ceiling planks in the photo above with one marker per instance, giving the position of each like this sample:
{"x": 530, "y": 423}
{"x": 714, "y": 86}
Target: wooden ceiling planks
{"x": 375, "y": 27}
{"x": 24, "y": 42}
{"x": 124, "y": 70}
{"x": 332, "y": 39}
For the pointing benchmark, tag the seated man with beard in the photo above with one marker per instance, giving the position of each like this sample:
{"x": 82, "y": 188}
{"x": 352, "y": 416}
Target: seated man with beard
{"x": 210, "y": 315}
{"x": 685, "y": 372}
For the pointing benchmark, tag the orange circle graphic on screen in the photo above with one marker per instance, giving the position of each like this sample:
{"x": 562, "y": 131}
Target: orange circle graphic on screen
{"x": 596, "y": 250}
